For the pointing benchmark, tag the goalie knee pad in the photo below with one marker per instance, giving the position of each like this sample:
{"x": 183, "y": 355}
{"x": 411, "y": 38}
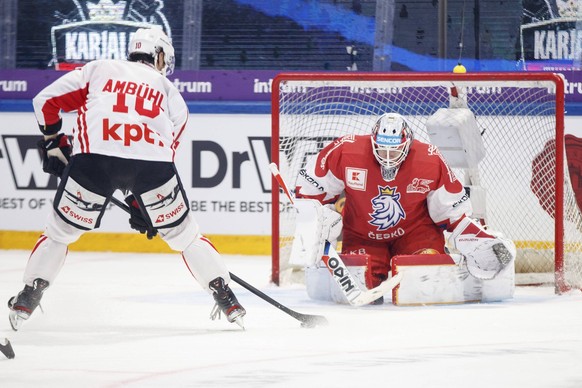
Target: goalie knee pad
{"x": 321, "y": 286}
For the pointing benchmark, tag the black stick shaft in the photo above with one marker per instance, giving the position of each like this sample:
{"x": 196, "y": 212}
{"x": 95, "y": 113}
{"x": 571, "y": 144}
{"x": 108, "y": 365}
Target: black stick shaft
{"x": 311, "y": 319}
{"x": 120, "y": 204}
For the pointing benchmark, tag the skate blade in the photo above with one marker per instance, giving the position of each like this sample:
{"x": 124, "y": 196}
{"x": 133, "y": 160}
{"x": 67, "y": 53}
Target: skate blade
{"x": 16, "y": 319}
{"x": 239, "y": 321}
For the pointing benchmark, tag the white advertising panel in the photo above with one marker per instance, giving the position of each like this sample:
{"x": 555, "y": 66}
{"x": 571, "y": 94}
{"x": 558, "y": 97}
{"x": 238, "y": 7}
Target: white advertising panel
{"x": 223, "y": 163}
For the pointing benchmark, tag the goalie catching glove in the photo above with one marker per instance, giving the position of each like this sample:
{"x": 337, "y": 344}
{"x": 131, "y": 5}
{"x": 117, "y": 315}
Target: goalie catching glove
{"x": 486, "y": 255}
{"x": 55, "y": 154}
{"x": 137, "y": 220}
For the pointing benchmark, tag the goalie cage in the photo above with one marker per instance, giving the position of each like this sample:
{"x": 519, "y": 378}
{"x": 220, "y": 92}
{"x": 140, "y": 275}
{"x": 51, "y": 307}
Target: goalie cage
{"x": 529, "y": 197}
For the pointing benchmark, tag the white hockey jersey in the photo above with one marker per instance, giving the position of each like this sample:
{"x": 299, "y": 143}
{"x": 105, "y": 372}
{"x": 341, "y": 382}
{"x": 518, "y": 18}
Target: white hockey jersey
{"x": 125, "y": 109}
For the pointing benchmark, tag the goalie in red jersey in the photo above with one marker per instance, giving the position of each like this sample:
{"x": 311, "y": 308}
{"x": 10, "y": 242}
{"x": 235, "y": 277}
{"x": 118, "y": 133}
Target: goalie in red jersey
{"x": 400, "y": 197}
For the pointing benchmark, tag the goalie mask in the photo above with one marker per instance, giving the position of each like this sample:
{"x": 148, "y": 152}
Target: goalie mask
{"x": 391, "y": 140}
{"x": 153, "y": 41}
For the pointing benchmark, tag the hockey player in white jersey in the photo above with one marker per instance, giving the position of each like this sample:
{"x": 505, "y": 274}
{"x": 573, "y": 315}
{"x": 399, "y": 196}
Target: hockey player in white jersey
{"x": 129, "y": 123}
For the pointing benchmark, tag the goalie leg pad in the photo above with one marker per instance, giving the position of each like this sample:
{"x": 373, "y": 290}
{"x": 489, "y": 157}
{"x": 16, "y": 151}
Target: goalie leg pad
{"x": 321, "y": 286}
{"x": 445, "y": 279}
{"x": 501, "y": 287}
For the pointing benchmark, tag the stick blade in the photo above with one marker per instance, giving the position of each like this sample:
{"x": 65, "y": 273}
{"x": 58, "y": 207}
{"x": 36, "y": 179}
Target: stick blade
{"x": 369, "y": 296}
{"x": 311, "y": 321}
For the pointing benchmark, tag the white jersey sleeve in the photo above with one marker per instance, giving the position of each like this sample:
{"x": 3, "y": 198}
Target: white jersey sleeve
{"x": 67, "y": 93}
{"x": 446, "y": 208}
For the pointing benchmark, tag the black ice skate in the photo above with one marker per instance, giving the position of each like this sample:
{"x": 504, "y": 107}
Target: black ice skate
{"x": 226, "y": 302}
{"x": 23, "y": 305}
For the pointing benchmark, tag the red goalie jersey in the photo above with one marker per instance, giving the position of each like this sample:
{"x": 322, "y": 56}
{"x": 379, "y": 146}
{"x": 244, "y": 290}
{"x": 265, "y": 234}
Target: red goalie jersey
{"x": 381, "y": 217}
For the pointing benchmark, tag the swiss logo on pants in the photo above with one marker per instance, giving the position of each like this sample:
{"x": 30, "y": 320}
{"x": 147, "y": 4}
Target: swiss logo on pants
{"x": 165, "y": 205}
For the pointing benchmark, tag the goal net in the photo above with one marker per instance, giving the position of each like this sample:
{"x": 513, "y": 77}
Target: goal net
{"x": 527, "y": 192}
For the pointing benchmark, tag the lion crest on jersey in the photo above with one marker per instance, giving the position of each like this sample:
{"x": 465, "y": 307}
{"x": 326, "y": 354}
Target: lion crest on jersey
{"x": 387, "y": 209}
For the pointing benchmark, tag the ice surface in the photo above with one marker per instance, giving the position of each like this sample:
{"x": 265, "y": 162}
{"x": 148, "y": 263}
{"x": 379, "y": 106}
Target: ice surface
{"x": 140, "y": 320}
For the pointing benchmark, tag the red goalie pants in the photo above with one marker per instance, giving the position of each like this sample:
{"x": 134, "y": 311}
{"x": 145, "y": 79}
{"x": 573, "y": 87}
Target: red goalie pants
{"x": 424, "y": 237}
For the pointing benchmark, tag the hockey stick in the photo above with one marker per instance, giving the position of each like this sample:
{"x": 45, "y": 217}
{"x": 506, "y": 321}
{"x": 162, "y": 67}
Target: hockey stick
{"x": 337, "y": 268}
{"x": 306, "y": 320}
{"x": 6, "y": 348}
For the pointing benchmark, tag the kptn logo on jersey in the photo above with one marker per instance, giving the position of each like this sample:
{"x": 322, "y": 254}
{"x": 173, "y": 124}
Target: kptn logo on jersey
{"x": 387, "y": 209}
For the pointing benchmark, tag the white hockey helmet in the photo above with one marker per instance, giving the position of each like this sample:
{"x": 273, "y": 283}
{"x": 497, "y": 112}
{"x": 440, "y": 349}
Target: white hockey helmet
{"x": 391, "y": 139}
{"x": 152, "y": 41}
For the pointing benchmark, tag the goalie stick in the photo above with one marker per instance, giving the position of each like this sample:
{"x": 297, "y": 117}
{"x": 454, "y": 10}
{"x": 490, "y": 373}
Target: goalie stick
{"x": 306, "y": 320}
{"x": 6, "y": 348}
{"x": 337, "y": 268}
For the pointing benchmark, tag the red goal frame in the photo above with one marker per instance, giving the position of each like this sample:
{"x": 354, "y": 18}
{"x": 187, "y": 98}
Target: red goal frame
{"x": 560, "y": 284}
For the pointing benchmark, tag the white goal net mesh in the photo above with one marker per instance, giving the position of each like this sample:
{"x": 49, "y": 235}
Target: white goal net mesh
{"x": 519, "y": 118}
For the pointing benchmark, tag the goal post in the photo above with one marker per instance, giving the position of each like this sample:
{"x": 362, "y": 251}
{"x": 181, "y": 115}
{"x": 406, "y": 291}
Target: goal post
{"x": 527, "y": 192}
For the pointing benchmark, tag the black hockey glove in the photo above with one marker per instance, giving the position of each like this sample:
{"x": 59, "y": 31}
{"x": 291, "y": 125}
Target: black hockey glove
{"x": 55, "y": 154}
{"x": 136, "y": 219}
